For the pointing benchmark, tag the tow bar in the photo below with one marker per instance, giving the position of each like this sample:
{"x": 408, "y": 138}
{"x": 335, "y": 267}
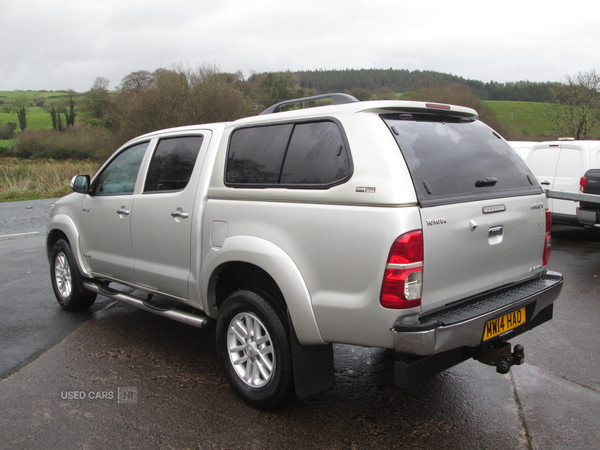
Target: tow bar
{"x": 499, "y": 355}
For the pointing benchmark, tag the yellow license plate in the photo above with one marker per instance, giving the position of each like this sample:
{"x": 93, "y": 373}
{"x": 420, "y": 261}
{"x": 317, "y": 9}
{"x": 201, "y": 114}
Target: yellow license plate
{"x": 502, "y": 324}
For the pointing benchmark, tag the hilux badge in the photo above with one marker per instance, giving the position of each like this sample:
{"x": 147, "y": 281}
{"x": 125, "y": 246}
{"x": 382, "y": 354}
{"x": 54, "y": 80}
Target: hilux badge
{"x": 534, "y": 205}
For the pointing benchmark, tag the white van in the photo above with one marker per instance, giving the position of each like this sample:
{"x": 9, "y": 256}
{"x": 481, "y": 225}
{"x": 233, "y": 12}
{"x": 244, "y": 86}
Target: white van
{"x": 559, "y": 165}
{"x": 522, "y": 148}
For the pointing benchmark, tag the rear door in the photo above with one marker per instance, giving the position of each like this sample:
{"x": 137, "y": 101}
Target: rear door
{"x": 482, "y": 209}
{"x": 164, "y": 213}
{"x": 571, "y": 166}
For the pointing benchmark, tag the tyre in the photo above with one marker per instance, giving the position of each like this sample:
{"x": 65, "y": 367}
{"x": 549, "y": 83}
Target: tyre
{"x": 254, "y": 350}
{"x": 66, "y": 280}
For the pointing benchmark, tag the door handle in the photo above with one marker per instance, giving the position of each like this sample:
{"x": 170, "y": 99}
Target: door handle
{"x": 545, "y": 183}
{"x": 123, "y": 210}
{"x": 496, "y": 231}
{"x": 179, "y": 213}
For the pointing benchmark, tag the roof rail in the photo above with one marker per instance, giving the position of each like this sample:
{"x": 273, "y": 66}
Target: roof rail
{"x": 338, "y": 99}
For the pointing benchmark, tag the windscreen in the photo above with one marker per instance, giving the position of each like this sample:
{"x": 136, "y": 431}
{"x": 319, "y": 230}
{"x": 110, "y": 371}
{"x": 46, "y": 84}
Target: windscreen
{"x": 453, "y": 159}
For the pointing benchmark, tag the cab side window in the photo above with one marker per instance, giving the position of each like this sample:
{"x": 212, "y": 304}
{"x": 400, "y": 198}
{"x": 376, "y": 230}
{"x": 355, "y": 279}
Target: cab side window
{"x": 256, "y": 154}
{"x": 316, "y": 155}
{"x": 120, "y": 176}
{"x": 172, "y": 164}
{"x": 308, "y": 155}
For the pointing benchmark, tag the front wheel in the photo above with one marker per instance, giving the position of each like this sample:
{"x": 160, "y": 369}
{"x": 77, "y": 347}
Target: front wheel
{"x": 66, "y": 280}
{"x": 254, "y": 350}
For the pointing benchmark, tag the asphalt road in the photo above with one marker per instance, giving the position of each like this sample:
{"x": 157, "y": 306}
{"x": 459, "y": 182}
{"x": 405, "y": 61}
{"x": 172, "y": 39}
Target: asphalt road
{"x": 158, "y": 384}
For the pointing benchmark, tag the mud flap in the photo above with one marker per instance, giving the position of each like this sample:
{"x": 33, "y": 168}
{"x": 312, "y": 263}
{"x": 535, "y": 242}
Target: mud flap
{"x": 313, "y": 367}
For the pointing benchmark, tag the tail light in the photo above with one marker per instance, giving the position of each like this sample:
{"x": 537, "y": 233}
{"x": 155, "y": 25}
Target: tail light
{"x": 583, "y": 184}
{"x": 403, "y": 278}
{"x": 548, "y": 240}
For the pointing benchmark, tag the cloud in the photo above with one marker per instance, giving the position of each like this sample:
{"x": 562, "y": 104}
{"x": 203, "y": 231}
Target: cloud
{"x": 60, "y": 44}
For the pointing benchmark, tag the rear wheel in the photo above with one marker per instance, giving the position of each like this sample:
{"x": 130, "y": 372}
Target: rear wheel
{"x": 66, "y": 280}
{"x": 254, "y": 349}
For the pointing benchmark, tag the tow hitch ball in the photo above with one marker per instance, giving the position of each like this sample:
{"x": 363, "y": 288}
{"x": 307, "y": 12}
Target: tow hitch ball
{"x": 499, "y": 355}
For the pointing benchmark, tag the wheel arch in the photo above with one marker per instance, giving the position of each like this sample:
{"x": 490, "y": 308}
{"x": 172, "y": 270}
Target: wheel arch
{"x": 62, "y": 227}
{"x": 246, "y": 261}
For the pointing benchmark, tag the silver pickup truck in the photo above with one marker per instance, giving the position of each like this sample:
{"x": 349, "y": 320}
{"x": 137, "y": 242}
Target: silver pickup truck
{"x": 403, "y": 225}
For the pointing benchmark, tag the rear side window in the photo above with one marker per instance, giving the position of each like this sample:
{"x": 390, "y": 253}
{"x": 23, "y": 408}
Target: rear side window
{"x": 302, "y": 155}
{"x": 256, "y": 154}
{"x": 452, "y": 159}
{"x": 172, "y": 164}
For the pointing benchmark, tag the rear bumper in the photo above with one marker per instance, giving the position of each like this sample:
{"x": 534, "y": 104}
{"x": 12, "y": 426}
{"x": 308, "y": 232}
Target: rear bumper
{"x": 587, "y": 216}
{"x": 463, "y": 325}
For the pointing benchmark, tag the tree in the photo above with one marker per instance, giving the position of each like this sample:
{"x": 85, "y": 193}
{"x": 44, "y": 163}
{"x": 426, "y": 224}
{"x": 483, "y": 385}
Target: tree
{"x": 21, "y": 104}
{"x": 273, "y": 87}
{"x": 576, "y": 105}
{"x": 55, "y": 109}
{"x": 53, "y": 113}
{"x": 97, "y": 100}
{"x": 180, "y": 96}
{"x": 69, "y": 110}
{"x": 136, "y": 81}
{"x": 385, "y": 93}
{"x": 361, "y": 94}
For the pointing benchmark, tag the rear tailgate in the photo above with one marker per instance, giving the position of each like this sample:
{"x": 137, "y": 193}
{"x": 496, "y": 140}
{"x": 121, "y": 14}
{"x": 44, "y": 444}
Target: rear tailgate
{"x": 470, "y": 248}
{"x": 482, "y": 209}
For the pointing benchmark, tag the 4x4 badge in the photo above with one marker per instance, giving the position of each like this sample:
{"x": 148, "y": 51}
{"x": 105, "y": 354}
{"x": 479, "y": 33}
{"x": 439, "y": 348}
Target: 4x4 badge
{"x": 368, "y": 190}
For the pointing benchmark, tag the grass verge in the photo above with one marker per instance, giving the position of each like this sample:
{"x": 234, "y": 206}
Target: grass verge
{"x": 36, "y": 179}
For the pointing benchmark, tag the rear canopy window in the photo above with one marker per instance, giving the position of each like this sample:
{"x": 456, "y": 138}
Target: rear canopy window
{"x": 308, "y": 154}
{"x": 452, "y": 159}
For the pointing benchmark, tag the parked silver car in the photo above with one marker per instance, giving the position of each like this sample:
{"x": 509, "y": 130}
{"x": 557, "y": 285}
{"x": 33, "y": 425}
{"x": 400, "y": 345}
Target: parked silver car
{"x": 404, "y": 225}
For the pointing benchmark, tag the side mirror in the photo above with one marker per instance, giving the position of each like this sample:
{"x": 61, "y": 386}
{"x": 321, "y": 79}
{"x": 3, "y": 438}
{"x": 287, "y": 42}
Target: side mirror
{"x": 80, "y": 183}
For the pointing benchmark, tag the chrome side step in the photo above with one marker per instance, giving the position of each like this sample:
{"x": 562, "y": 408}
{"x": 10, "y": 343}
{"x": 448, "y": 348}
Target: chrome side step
{"x": 174, "y": 314}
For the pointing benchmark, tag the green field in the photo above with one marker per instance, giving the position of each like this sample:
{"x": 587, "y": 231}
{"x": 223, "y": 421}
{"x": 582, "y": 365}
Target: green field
{"x": 9, "y": 96}
{"x": 523, "y": 117}
{"x": 37, "y": 117}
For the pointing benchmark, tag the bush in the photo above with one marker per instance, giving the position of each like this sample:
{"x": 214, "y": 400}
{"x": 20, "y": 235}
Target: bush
{"x": 7, "y": 131}
{"x": 7, "y": 152}
{"x": 81, "y": 143}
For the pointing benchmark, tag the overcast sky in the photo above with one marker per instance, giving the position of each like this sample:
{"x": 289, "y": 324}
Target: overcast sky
{"x": 66, "y": 44}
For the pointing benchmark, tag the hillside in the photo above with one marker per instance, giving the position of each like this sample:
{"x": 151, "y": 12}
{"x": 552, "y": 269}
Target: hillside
{"x": 401, "y": 81}
{"x": 523, "y": 120}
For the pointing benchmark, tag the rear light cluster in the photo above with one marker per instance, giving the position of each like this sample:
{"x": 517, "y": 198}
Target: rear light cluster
{"x": 548, "y": 241}
{"x": 583, "y": 184}
{"x": 403, "y": 278}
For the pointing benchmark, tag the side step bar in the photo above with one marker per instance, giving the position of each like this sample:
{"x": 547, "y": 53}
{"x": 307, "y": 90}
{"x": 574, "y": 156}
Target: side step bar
{"x": 174, "y": 314}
